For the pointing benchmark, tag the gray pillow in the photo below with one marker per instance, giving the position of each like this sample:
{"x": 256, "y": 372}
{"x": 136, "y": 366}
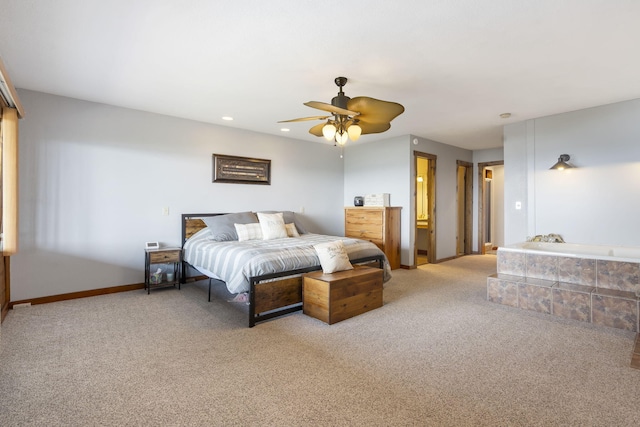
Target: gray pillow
{"x": 290, "y": 217}
{"x": 222, "y": 226}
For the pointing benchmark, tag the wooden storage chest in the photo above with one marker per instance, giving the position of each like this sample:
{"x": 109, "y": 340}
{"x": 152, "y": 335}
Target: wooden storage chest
{"x": 338, "y": 296}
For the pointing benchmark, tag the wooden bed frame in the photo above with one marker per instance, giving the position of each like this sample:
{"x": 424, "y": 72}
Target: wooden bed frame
{"x": 270, "y": 295}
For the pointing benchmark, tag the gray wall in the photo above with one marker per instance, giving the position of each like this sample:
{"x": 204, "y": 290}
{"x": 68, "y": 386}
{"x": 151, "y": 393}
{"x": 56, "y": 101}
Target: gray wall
{"x": 387, "y": 167}
{"x": 596, "y": 203}
{"x": 497, "y": 206}
{"x": 381, "y": 167}
{"x": 94, "y": 179}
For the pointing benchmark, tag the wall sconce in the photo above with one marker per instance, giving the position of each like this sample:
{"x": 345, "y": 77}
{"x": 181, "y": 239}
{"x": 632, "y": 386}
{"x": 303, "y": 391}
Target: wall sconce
{"x": 562, "y": 164}
{"x": 488, "y": 175}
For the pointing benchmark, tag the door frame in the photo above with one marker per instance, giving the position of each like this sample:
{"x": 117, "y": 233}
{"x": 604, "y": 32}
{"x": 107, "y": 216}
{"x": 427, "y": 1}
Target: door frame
{"x": 5, "y": 290}
{"x": 482, "y": 211}
{"x": 468, "y": 206}
{"x": 431, "y": 206}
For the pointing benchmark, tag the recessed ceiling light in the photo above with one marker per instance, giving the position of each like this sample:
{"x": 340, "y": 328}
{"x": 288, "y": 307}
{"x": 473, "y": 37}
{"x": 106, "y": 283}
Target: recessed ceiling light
{"x": 228, "y": 118}
{"x": 285, "y": 129}
{"x": 505, "y": 115}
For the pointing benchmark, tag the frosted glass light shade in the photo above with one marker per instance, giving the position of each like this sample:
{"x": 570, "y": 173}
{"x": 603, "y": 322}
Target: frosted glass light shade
{"x": 354, "y": 132}
{"x": 342, "y": 138}
{"x": 329, "y": 131}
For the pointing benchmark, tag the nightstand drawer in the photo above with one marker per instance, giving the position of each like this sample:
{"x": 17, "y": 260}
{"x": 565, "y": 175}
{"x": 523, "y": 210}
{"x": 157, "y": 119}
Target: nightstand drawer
{"x": 164, "y": 256}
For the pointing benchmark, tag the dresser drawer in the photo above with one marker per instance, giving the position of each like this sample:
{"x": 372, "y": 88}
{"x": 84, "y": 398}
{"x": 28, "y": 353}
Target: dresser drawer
{"x": 364, "y": 216}
{"x": 364, "y": 231}
{"x": 164, "y": 257}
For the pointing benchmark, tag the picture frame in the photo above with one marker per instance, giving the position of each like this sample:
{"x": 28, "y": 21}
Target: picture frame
{"x": 241, "y": 170}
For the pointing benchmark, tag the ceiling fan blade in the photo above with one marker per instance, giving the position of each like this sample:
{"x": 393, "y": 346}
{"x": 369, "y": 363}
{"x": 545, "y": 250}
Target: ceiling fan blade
{"x": 317, "y": 129}
{"x": 374, "y": 110}
{"x": 304, "y": 119}
{"x": 373, "y": 127}
{"x": 330, "y": 108}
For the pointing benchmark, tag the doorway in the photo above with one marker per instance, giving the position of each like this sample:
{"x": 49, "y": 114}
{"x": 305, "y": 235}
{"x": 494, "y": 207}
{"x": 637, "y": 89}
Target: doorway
{"x": 465, "y": 203}
{"x": 4, "y": 284}
{"x": 491, "y": 206}
{"x": 425, "y": 211}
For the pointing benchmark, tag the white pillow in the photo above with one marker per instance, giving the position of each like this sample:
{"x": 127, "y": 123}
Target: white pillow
{"x": 292, "y": 231}
{"x": 248, "y": 231}
{"x": 333, "y": 257}
{"x": 272, "y": 226}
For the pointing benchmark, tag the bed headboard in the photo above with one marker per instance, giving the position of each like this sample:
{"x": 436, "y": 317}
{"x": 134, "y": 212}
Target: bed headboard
{"x": 192, "y": 223}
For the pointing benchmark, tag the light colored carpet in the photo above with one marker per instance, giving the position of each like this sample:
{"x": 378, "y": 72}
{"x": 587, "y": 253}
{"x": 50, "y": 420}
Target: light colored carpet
{"x": 437, "y": 353}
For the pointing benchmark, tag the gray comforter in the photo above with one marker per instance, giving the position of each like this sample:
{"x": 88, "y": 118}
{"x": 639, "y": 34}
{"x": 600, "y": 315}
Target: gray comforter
{"x": 235, "y": 262}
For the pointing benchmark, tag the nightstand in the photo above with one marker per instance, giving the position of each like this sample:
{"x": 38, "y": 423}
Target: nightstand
{"x": 153, "y": 258}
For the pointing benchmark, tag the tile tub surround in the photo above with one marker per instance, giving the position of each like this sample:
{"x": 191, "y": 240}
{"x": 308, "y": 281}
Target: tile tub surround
{"x": 601, "y": 271}
{"x": 572, "y": 301}
{"x": 635, "y": 357}
{"x": 606, "y": 307}
{"x": 596, "y": 288}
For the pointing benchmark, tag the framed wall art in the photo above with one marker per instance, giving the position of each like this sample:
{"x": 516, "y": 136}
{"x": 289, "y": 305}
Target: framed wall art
{"x": 241, "y": 170}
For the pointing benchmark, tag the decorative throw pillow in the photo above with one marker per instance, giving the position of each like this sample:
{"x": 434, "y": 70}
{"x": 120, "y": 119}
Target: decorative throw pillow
{"x": 248, "y": 231}
{"x": 222, "y": 226}
{"x": 292, "y": 231}
{"x": 333, "y": 257}
{"x": 291, "y": 217}
{"x": 272, "y": 226}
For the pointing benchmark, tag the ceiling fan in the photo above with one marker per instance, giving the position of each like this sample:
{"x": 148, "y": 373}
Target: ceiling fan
{"x": 351, "y": 117}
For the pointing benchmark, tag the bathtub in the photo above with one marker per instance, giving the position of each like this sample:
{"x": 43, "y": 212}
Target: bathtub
{"x": 604, "y": 267}
{"x": 592, "y": 283}
{"x": 611, "y": 253}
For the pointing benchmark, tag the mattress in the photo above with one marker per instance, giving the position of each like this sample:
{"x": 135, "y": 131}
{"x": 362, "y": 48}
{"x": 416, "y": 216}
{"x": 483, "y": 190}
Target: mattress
{"x": 235, "y": 262}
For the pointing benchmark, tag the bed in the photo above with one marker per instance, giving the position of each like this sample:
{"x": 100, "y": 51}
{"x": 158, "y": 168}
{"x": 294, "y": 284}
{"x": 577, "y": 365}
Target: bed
{"x": 268, "y": 271}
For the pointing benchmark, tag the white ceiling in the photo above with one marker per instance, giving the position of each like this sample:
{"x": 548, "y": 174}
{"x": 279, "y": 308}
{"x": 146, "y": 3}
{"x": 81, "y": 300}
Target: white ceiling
{"x": 455, "y": 65}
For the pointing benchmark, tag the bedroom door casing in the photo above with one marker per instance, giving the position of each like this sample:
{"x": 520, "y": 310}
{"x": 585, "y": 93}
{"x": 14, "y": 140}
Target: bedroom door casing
{"x": 464, "y": 197}
{"x": 4, "y": 283}
{"x": 430, "y": 207}
{"x": 483, "y": 205}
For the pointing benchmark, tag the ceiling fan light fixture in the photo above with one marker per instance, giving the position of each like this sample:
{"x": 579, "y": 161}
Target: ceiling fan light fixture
{"x": 354, "y": 132}
{"x": 342, "y": 138}
{"x": 329, "y": 131}
{"x": 351, "y": 117}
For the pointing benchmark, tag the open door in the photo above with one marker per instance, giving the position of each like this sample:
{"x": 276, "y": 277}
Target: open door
{"x": 425, "y": 208}
{"x": 465, "y": 202}
{"x": 4, "y": 283}
{"x": 10, "y": 111}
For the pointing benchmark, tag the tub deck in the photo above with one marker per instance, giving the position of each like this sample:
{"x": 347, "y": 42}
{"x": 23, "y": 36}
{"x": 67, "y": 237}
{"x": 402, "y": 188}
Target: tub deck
{"x": 593, "y": 287}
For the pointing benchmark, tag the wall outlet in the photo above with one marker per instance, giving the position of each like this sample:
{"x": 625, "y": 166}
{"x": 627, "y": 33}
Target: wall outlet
{"x": 165, "y": 211}
{"x": 518, "y": 205}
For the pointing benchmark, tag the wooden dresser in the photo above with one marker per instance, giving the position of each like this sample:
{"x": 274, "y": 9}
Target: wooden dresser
{"x": 379, "y": 225}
